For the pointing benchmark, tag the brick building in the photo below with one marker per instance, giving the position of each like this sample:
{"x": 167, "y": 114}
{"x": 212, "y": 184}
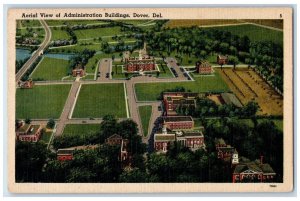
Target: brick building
{"x": 222, "y": 60}
{"x": 172, "y": 100}
{"x": 65, "y": 154}
{"x": 192, "y": 139}
{"x": 28, "y": 132}
{"x": 68, "y": 153}
{"x": 203, "y": 67}
{"x": 179, "y": 122}
{"x": 78, "y": 71}
{"x": 145, "y": 63}
{"x": 226, "y": 152}
{"x": 115, "y": 139}
{"x": 253, "y": 171}
{"x": 28, "y": 84}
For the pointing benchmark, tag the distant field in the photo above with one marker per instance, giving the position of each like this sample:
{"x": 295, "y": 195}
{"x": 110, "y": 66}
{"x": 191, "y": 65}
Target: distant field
{"x": 98, "y": 32}
{"x": 255, "y": 33}
{"x": 150, "y": 91}
{"x": 134, "y": 22}
{"x": 145, "y": 114}
{"x": 73, "y": 22}
{"x": 189, "y": 23}
{"x": 81, "y": 130}
{"x": 58, "y": 34}
{"x": 51, "y": 69}
{"x": 97, "y": 100}
{"x": 272, "y": 23}
{"x": 41, "y": 102}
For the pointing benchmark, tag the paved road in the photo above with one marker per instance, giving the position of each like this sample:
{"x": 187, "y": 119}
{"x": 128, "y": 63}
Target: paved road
{"x": 104, "y": 68}
{"x": 172, "y": 63}
{"x": 35, "y": 55}
{"x": 67, "y": 108}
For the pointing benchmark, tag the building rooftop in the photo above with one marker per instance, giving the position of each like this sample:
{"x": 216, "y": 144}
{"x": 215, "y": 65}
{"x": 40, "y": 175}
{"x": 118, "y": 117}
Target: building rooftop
{"x": 203, "y": 64}
{"x": 254, "y": 166}
{"x": 164, "y": 137}
{"x": 222, "y": 57}
{"x": 29, "y": 129}
{"x": 177, "y": 118}
{"x": 65, "y": 151}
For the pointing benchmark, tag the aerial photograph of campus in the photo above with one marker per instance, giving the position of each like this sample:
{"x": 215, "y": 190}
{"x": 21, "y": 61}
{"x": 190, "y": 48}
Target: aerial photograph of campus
{"x": 149, "y": 101}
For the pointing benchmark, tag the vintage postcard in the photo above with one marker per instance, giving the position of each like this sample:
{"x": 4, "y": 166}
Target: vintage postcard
{"x": 113, "y": 100}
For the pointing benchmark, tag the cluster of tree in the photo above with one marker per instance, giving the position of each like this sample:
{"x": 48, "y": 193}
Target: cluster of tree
{"x": 201, "y": 43}
{"x": 31, "y": 68}
{"x": 180, "y": 165}
{"x": 20, "y": 63}
{"x": 81, "y": 58}
{"x": 263, "y": 139}
{"x": 208, "y": 108}
{"x": 30, "y": 159}
{"x": 268, "y": 57}
{"x": 34, "y": 163}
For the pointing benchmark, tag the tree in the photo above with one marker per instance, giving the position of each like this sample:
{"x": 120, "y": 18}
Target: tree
{"x": 233, "y": 60}
{"x": 27, "y": 121}
{"x": 51, "y": 123}
{"x": 133, "y": 176}
{"x": 250, "y": 109}
{"x": 30, "y": 159}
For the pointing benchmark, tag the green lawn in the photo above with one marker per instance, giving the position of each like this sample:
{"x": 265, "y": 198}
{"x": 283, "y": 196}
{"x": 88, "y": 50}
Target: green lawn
{"x": 76, "y": 48}
{"x": 41, "y": 102}
{"x": 277, "y": 122}
{"x": 81, "y": 130}
{"x": 255, "y": 33}
{"x": 117, "y": 72}
{"x": 164, "y": 71}
{"x": 51, "y": 69}
{"x": 145, "y": 114}
{"x": 46, "y": 136}
{"x": 97, "y": 100}
{"x": 150, "y": 91}
{"x": 98, "y": 32}
{"x": 58, "y": 34}
{"x": 28, "y": 23}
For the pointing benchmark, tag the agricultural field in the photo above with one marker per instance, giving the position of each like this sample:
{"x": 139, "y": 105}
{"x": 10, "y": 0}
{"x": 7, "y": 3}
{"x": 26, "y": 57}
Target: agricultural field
{"x": 255, "y": 33}
{"x": 51, "y": 69}
{"x": 249, "y": 86}
{"x": 81, "y": 130}
{"x": 97, "y": 100}
{"x": 58, "y": 34}
{"x": 151, "y": 91}
{"x": 96, "y": 33}
{"x": 41, "y": 102}
{"x": 206, "y": 22}
{"x": 145, "y": 115}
